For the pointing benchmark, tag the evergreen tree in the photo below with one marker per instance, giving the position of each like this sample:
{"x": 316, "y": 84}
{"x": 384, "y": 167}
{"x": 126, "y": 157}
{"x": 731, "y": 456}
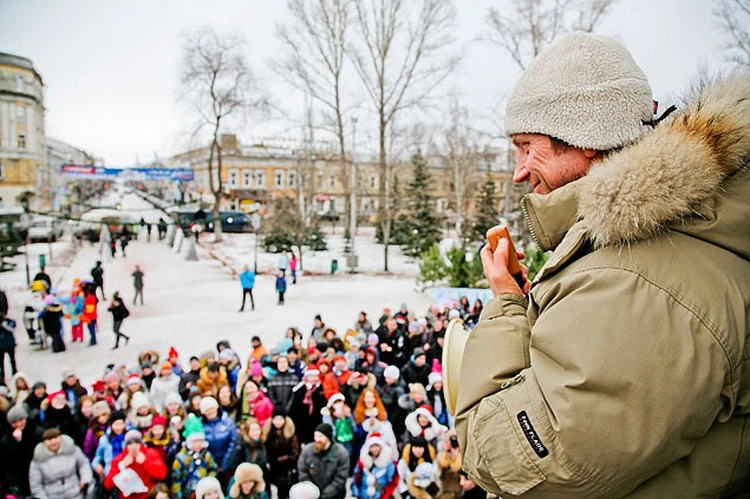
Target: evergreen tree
{"x": 485, "y": 213}
{"x": 399, "y": 223}
{"x": 424, "y": 227}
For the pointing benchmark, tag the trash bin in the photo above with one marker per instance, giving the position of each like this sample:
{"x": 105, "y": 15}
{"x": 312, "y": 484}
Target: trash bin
{"x": 334, "y": 266}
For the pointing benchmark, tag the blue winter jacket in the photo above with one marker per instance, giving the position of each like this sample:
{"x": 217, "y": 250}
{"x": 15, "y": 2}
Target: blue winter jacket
{"x": 247, "y": 279}
{"x": 105, "y": 451}
{"x": 280, "y": 284}
{"x": 221, "y": 435}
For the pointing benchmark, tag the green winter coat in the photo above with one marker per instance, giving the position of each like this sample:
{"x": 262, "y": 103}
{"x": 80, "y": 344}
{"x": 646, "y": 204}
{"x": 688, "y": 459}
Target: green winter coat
{"x": 626, "y": 372}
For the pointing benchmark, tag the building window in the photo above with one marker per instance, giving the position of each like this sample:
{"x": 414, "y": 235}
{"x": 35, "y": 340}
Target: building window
{"x": 22, "y": 142}
{"x": 279, "y": 177}
{"x": 2, "y": 171}
{"x": 331, "y": 181}
{"x": 247, "y": 178}
{"x": 373, "y": 181}
{"x": 292, "y": 178}
{"x": 21, "y": 111}
{"x": 234, "y": 177}
{"x": 260, "y": 178}
{"x": 20, "y": 84}
{"x": 233, "y": 205}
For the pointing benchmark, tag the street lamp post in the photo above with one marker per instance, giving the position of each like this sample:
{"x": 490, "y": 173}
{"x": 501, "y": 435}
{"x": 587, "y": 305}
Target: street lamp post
{"x": 353, "y": 197}
{"x": 25, "y": 206}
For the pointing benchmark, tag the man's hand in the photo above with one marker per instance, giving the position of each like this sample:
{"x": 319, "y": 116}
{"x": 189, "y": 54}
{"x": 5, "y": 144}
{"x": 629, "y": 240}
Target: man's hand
{"x": 99, "y": 469}
{"x": 18, "y": 434}
{"x": 127, "y": 460}
{"x": 496, "y": 270}
{"x": 140, "y": 457}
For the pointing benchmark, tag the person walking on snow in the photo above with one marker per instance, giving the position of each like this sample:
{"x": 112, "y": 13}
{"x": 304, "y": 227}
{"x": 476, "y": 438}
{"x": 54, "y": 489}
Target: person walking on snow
{"x": 293, "y": 267}
{"x": 281, "y": 286}
{"x": 247, "y": 280}
{"x": 138, "y": 283}
{"x": 97, "y": 274}
{"x": 119, "y": 313}
{"x": 283, "y": 262}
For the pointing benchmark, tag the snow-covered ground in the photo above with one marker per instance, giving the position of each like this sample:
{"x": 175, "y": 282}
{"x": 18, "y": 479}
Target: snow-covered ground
{"x": 193, "y": 305}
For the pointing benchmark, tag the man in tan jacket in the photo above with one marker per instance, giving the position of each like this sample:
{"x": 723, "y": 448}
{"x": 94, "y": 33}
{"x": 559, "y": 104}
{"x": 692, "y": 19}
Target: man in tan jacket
{"x": 624, "y": 369}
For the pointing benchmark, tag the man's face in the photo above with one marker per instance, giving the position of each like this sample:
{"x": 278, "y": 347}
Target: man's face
{"x": 543, "y": 168}
{"x": 212, "y": 414}
{"x": 195, "y": 365}
{"x": 256, "y": 343}
{"x": 53, "y": 444}
{"x": 282, "y": 364}
{"x": 292, "y": 357}
{"x": 420, "y": 360}
{"x": 321, "y": 441}
{"x": 19, "y": 425}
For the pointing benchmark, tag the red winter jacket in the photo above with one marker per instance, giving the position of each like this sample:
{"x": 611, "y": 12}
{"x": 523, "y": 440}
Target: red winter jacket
{"x": 152, "y": 471}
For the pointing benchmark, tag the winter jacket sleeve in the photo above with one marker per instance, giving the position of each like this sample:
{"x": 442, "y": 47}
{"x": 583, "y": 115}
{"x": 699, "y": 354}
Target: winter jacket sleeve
{"x": 557, "y": 418}
{"x": 35, "y": 482}
{"x": 226, "y": 463}
{"x": 90, "y": 443}
{"x": 178, "y": 469}
{"x": 85, "y": 475}
{"x": 338, "y": 483}
{"x": 302, "y": 466}
{"x": 154, "y": 465}
{"x": 357, "y": 480}
{"x": 114, "y": 469}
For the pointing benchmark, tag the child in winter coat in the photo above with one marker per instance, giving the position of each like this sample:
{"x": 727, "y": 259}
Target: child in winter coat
{"x": 97, "y": 428}
{"x": 421, "y": 423}
{"x": 111, "y": 444}
{"x": 339, "y": 415}
{"x": 282, "y": 448}
{"x": 416, "y": 452}
{"x": 139, "y": 459}
{"x": 248, "y": 483}
{"x": 281, "y": 287}
{"x": 423, "y": 482}
{"x": 141, "y": 413}
{"x": 194, "y": 462}
{"x": 250, "y": 448}
{"x": 160, "y": 439}
{"x": 375, "y": 476}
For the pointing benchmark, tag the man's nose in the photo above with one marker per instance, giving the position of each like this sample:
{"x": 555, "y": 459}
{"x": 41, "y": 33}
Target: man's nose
{"x": 521, "y": 173}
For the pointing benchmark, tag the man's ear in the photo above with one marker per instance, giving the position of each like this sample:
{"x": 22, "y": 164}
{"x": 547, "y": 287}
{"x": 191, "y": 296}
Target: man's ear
{"x": 591, "y": 153}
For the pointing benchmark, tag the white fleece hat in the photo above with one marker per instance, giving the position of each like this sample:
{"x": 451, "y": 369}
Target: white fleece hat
{"x": 208, "y": 403}
{"x": 585, "y": 90}
{"x": 206, "y": 485}
{"x": 391, "y": 372}
{"x": 304, "y": 490}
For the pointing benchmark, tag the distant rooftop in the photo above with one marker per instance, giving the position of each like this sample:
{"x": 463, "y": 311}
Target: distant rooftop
{"x": 19, "y": 62}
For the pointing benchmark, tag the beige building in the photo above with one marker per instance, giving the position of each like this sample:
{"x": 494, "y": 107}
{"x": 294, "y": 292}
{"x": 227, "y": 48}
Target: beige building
{"x": 23, "y": 150}
{"x": 255, "y": 175}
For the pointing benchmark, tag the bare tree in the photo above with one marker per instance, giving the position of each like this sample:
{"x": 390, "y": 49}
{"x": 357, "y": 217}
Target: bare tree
{"x": 400, "y": 57}
{"x": 734, "y": 20}
{"x": 314, "y": 60}
{"x": 523, "y": 28}
{"x": 461, "y": 155}
{"x": 218, "y": 83}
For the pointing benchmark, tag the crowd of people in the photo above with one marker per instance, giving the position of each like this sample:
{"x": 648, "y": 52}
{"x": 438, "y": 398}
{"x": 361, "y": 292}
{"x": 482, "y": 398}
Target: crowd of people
{"x": 358, "y": 414}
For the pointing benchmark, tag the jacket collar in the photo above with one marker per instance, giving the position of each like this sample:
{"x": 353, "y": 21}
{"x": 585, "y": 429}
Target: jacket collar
{"x": 550, "y": 216}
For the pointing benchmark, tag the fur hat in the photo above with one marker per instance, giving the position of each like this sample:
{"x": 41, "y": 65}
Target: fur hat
{"x": 585, "y": 90}
{"x": 247, "y": 472}
{"x": 17, "y": 413}
{"x": 208, "y": 403}
{"x": 206, "y": 485}
{"x": 434, "y": 378}
{"x": 100, "y": 409}
{"x": 304, "y": 490}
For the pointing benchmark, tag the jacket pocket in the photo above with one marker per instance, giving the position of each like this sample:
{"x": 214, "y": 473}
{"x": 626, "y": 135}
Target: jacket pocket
{"x": 494, "y": 455}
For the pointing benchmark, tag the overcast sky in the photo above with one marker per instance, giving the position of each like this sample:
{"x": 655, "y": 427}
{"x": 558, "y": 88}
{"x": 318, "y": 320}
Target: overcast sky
{"x": 112, "y": 68}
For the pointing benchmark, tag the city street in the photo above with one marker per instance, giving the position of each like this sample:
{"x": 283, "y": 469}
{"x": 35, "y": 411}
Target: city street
{"x": 193, "y": 305}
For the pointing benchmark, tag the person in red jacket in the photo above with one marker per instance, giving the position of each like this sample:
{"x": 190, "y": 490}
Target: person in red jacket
{"x": 89, "y": 312}
{"x": 136, "y": 470}
{"x": 327, "y": 378}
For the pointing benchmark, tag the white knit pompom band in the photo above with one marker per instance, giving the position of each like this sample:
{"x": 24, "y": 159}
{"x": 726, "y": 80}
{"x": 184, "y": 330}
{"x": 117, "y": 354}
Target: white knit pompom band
{"x": 585, "y": 90}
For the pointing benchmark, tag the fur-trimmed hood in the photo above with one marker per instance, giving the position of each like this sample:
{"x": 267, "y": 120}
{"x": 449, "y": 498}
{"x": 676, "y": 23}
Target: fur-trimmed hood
{"x": 382, "y": 460}
{"x": 689, "y": 175}
{"x": 287, "y": 431}
{"x": 433, "y": 431}
{"x": 42, "y": 453}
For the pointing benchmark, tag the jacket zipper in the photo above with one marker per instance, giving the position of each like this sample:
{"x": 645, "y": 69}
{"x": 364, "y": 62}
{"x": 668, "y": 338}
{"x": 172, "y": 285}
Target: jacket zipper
{"x": 532, "y": 231}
